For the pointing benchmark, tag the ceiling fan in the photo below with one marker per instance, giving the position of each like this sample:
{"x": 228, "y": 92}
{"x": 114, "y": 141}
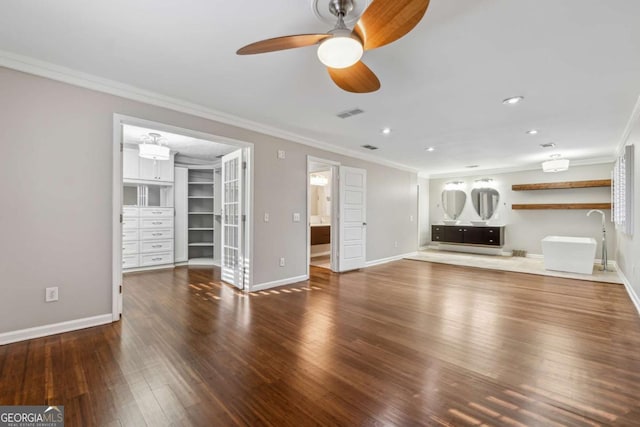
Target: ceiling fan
{"x": 383, "y": 22}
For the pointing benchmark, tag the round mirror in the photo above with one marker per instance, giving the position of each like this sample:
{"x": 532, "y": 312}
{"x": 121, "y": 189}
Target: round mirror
{"x": 485, "y": 201}
{"x": 453, "y": 202}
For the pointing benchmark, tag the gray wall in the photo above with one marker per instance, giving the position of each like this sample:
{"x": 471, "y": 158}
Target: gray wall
{"x": 628, "y": 247}
{"x": 424, "y": 228}
{"x": 56, "y": 174}
{"x": 525, "y": 228}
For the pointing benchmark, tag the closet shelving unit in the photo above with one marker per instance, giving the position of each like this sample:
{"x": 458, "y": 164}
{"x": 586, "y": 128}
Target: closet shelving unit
{"x": 201, "y": 215}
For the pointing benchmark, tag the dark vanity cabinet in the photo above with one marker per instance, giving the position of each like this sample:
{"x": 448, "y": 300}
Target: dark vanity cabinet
{"x": 468, "y": 234}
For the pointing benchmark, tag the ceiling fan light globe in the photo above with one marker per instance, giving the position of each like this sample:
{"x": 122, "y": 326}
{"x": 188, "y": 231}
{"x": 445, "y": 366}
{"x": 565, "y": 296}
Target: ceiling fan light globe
{"x": 340, "y": 51}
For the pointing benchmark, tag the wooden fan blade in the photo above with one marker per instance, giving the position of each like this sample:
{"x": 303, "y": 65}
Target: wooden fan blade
{"x": 385, "y": 21}
{"x": 282, "y": 43}
{"x": 357, "y": 79}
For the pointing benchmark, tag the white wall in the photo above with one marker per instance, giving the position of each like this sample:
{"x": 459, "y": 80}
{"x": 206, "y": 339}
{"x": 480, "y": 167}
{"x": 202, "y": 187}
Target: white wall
{"x": 56, "y": 175}
{"x": 628, "y": 247}
{"x": 526, "y": 228}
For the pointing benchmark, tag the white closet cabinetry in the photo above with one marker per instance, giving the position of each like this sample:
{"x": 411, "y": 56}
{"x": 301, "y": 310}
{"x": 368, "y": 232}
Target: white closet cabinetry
{"x": 137, "y": 168}
{"x": 181, "y": 204}
{"x": 147, "y": 236}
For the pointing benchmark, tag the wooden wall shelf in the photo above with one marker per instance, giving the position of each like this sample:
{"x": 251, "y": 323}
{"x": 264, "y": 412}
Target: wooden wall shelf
{"x": 560, "y": 185}
{"x": 540, "y": 206}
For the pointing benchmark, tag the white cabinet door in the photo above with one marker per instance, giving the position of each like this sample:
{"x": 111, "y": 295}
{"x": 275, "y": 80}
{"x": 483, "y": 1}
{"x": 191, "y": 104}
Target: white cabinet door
{"x": 160, "y": 170}
{"x": 165, "y": 170}
{"x": 147, "y": 170}
{"x": 130, "y": 167}
{"x": 181, "y": 250}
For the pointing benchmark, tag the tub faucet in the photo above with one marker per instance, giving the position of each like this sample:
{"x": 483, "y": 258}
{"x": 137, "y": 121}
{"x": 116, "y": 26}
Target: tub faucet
{"x": 604, "y": 238}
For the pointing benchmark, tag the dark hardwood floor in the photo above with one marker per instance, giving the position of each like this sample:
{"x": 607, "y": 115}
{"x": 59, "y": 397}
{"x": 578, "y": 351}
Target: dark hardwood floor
{"x": 407, "y": 343}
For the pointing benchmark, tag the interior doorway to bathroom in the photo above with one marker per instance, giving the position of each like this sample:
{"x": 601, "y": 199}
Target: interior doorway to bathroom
{"x": 321, "y": 212}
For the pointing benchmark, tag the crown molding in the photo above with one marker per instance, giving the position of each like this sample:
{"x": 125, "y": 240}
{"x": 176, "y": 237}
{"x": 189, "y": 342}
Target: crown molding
{"x": 523, "y": 168}
{"x": 88, "y": 81}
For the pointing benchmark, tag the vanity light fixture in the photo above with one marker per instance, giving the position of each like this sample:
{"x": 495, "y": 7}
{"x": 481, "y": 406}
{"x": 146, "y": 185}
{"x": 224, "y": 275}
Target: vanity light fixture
{"x": 454, "y": 185}
{"x": 385, "y": 131}
{"x": 318, "y": 180}
{"x": 513, "y": 100}
{"x": 532, "y": 132}
{"x": 483, "y": 183}
{"x": 556, "y": 164}
{"x": 151, "y": 148}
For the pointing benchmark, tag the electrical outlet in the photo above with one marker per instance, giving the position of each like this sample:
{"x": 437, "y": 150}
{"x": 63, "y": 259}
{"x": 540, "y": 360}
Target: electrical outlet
{"x": 282, "y": 154}
{"x": 51, "y": 294}
{"x": 296, "y": 217}
{"x": 281, "y": 262}
{"x": 266, "y": 217}
{"x": 411, "y": 218}
{"x": 395, "y": 243}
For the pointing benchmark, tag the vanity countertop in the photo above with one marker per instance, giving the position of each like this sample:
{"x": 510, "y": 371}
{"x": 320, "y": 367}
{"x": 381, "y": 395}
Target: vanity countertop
{"x": 320, "y": 225}
{"x": 467, "y": 224}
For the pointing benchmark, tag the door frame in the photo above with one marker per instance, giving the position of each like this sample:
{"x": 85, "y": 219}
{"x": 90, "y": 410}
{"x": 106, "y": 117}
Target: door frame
{"x": 118, "y": 121}
{"x": 335, "y": 210}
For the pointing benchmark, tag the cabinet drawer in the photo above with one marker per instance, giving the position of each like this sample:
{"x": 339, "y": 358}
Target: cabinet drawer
{"x": 156, "y": 212}
{"x": 130, "y": 235}
{"x": 130, "y": 212}
{"x": 129, "y": 223}
{"x": 156, "y": 234}
{"x": 130, "y": 261}
{"x": 129, "y": 248}
{"x": 156, "y": 259}
{"x": 156, "y": 246}
{"x": 156, "y": 222}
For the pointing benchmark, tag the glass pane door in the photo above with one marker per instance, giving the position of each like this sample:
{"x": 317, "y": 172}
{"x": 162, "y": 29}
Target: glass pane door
{"x": 232, "y": 219}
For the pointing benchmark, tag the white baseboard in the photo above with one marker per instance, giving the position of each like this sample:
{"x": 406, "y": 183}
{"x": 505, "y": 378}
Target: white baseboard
{"x": 389, "y": 259}
{"x": 276, "y": 283}
{"x": 632, "y": 293}
{"x": 56, "y": 328}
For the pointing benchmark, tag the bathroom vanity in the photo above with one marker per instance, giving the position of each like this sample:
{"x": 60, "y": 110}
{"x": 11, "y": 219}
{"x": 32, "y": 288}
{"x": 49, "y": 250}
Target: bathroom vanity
{"x": 468, "y": 234}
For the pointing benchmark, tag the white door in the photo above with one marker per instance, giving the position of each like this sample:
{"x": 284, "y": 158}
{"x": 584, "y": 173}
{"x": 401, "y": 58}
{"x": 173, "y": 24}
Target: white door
{"x": 353, "y": 219}
{"x": 232, "y": 219}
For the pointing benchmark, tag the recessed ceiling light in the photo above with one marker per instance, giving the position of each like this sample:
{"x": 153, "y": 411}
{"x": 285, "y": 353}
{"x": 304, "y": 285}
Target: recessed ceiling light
{"x": 471, "y": 166}
{"x": 430, "y": 149}
{"x": 513, "y": 100}
{"x": 386, "y": 131}
{"x": 532, "y": 132}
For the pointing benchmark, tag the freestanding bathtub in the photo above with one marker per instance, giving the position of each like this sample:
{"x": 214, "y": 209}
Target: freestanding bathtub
{"x": 571, "y": 254}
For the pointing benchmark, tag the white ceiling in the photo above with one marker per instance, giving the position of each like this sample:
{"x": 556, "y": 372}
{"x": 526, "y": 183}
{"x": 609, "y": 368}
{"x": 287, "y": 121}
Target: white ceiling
{"x": 575, "y": 61}
{"x": 184, "y": 146}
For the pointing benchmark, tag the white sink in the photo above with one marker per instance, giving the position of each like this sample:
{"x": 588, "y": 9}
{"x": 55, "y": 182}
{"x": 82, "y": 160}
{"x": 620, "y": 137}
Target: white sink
{"x": 450, "y": 221}
{"x": 479, "y": 222}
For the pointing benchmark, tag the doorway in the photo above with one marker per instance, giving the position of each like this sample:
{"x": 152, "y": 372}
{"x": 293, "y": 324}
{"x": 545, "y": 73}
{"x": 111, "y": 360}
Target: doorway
{"x": 180, "y": 198}
{"x": 322, "y": 236}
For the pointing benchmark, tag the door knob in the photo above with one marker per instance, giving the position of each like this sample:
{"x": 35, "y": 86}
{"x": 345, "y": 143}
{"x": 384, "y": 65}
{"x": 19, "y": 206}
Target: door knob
{"x": 364, "y": 223}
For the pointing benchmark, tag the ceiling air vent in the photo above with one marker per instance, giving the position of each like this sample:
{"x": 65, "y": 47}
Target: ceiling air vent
{"x": 369, "y": 147}
{"x": 349, "y": 113}
{"x": 548, "y": 145}
{"x": 219, "y": 156}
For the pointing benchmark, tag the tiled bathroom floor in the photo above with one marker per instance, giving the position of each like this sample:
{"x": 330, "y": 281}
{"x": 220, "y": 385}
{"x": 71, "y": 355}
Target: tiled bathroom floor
{"x": 516, "y": 264}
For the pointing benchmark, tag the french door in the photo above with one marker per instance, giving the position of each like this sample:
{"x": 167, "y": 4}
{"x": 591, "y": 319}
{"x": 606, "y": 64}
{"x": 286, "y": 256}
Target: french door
{"x": 233, "y": 219}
